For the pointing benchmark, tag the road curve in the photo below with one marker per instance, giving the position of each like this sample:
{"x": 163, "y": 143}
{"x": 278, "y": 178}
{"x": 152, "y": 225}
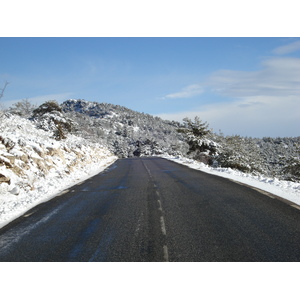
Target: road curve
{"x": 152, "y": 209}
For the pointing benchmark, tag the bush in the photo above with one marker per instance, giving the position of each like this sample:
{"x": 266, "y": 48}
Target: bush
{"x": 49, "y": 116}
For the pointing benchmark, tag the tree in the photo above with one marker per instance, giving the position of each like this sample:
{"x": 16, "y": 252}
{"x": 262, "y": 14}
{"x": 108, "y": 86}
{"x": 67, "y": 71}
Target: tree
{"x": 3, "y": 89}
{"x": 22, "y": 108}
{"x": 47, "y": 107}
{"x": 50, "y": 117}
{"x": 196, "y": 127}
{"x": 200, "y": 147}
{"x": 1, "y": 95}
{"x": 241, "y": 154}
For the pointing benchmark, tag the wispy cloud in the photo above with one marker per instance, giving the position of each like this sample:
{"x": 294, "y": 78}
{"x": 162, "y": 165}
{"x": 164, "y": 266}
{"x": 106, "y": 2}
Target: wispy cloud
{"x": 277, "y": 77}
{"x": 286, "y": 49}
{"x": 38, "y": 100}
{"x": 251, "y": 116}
{"x": 261, "y": 103}
{"x": 187, "y": 92}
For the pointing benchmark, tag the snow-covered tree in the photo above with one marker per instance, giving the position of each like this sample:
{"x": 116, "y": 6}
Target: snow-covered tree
{"x": 240, "y": 153}
{"x": 50, "y": 117}
{"x": 197, "y": 135}
{"x": 22, "y": 108}
{"x": 3, "y": 89}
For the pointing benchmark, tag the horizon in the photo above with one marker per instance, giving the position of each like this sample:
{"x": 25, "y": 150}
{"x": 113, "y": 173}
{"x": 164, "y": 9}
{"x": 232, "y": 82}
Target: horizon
{"x": 245, "y": 86}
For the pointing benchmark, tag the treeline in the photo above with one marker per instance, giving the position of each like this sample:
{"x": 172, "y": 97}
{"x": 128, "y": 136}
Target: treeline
{"x": 129, "y": 133}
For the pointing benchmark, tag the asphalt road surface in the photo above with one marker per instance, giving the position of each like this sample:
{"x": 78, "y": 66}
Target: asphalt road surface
{"x": 152, "y": 209}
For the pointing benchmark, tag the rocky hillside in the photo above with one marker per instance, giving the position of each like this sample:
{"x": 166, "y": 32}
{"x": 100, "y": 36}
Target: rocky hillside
{"x": 29, "y": 154}
{"x": 128, "y": 133}
{"x": 125, "y": 132}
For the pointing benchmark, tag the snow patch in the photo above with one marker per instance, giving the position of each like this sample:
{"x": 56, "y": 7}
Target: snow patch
{"x": 34, "y": 167}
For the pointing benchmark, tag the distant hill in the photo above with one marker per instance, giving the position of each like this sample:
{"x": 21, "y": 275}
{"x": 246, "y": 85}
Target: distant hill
{"x": 128, "y": 133}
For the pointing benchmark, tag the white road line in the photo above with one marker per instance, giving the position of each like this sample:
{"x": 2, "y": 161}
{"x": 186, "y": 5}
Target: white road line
{"x": 263, "y": 192}
{"x": 25, "y": 216}
{"x": 296, "y": 206}
{"x": 160, "y": 207}
{"x": 163, "y": 226}
{"x": 63, "y": 192}
{"x": 166, "y": 254}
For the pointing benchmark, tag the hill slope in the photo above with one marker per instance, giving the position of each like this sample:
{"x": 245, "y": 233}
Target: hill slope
{"x": 126, "y": 132}
{"x": 129, "y": 133}
{"x": 53, "y": 146}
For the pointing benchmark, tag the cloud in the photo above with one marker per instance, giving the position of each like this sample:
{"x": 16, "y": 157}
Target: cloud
{"x": 277, "y": 77}
{"x": 257, "y": 116}
{"x": 38, "y": 100}
{"x": 187, "y": 92}
{"x": 292, "y": 47}
{"x": 258, "y": 103}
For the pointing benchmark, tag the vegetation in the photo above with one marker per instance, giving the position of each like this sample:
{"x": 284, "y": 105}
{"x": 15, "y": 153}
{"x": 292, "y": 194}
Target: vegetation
{"x": 49, "y": 116}
{"x": 129, "y": 133}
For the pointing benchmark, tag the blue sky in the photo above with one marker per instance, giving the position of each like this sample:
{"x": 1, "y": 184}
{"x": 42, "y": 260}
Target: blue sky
{"x": 246, "y": 86}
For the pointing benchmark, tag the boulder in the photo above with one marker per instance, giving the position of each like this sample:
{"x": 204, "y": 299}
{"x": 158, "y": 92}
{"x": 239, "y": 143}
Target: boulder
{"x": 4, "y": 179}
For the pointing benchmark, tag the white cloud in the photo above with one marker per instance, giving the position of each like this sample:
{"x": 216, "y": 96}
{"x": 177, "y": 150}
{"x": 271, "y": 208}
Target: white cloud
{"x": 265, "y": 102}
{"x": 251, "y": 116}
{"x": 278, "y": 77}
{"x": 187, "y": 92}
{"x": 286, "y": 49}
{"x": 38, "y": 100}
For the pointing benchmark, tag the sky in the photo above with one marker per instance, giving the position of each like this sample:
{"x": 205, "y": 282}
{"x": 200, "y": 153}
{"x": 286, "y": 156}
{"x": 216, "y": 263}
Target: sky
{"x": 247, "y": 86}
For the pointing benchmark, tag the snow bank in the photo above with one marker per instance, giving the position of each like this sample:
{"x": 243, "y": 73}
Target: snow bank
{"x": 34, "y": 167}
{"x": 285, "y": 189}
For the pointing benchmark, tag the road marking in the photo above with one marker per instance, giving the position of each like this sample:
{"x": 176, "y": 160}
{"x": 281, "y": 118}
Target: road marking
{"x": 296, "y": 206}
{"x": 25, "y": 216}
{"x": 263, "y": 192}
{"x": 160, "y": 207}
{"x": 166, "y": 254}
{"x": 163, "y": 226}
{"x": 162, "y": 220}
{"x": 63, "y": 192}
{"x": 138, "y": 225}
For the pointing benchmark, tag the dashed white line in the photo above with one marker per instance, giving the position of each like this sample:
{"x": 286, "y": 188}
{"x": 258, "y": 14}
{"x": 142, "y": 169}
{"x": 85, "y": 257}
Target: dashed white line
{"x": 166, "y": 253}
{"x": 163, "y": 226}
{"x": 160, "y": 207}
{"x": 162, "y": 220}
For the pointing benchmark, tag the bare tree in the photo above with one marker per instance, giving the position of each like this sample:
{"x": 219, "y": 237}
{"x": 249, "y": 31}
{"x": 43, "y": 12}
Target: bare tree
{"x": 22, "y": 108}
{"x": 3, "y": 89}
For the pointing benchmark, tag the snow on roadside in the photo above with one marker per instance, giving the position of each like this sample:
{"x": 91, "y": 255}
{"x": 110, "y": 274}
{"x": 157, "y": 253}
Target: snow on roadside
{"x": 34, "y": 167}
{"x": 285, "y": 189}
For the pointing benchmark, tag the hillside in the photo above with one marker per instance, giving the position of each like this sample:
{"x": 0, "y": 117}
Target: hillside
{"x": 34, "y": 166}
{"x": 126, "y": 132}
{"x": 45, "y": 149}
{"x": 129, "y": 133}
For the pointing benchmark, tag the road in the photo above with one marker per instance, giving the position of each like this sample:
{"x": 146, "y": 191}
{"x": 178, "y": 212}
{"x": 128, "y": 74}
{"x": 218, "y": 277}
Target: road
{"x": 152, "y": 209}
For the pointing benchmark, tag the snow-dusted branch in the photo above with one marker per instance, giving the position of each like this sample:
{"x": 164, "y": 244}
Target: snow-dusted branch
{"x": 3, "y": 89}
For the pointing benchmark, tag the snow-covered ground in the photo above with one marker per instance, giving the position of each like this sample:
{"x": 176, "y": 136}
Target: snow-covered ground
{"x": 34, "y": 167}
{"x": 284, "y": 189}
